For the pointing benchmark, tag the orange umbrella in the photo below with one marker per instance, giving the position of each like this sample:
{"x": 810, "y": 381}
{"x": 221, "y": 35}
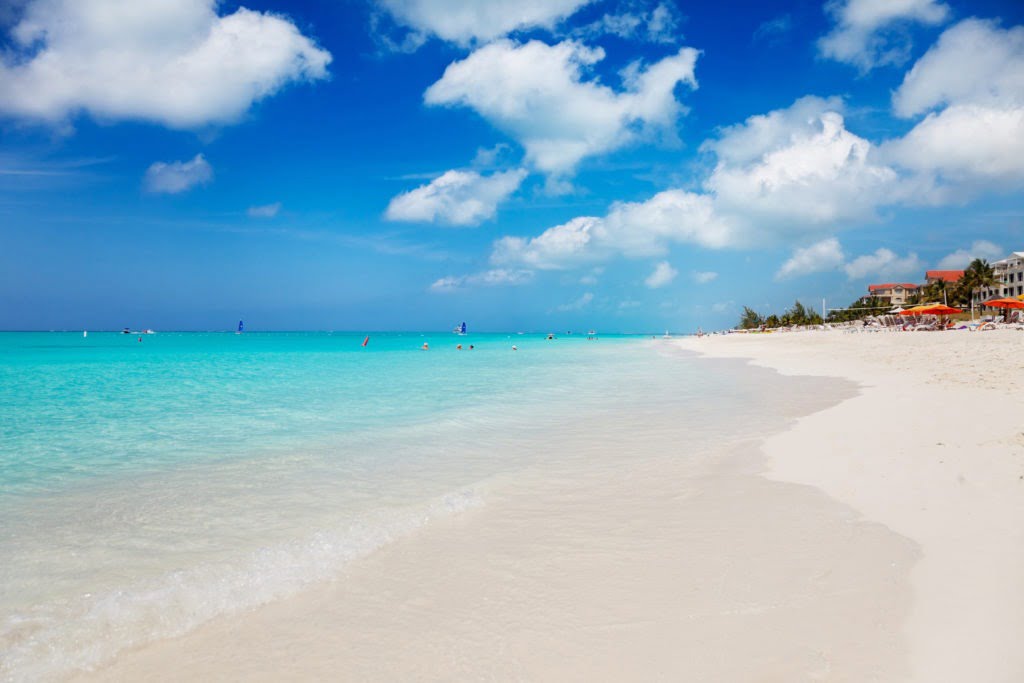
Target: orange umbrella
{"x": 1003, "y": 303}
{"x": 1006, "y": 303}
{"x": 931, "y": 309}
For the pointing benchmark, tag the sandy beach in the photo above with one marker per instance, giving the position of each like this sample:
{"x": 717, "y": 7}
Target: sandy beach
{"x": 932, "y": 448}
{"x": 876, "y": 534}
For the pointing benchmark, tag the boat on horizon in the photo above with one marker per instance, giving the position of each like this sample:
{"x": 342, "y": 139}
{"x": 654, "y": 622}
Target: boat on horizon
{"x": 460, "y": 330}
{"x": 241, "y": 328}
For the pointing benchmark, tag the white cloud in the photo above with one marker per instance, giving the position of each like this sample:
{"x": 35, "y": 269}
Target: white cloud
{"x": 175, "y": 63}
{"x": 579, "y": 303}
{"x": 974, "y": 62}
{"x": 790, "y": 173}
{"x": 961, "y": 258}
{"x": 487, "y": 278}
{"x": 264, "y": 211}
{"x": 663, "y": 274}
{"x": 883, "y": 263}
{"x": 703, "y": 277}
{"x": 468, "y": 21}
{"x": 824, "y": 255}
{"x": 562, "y": 246}
{"x": 974, "y": 76}
{"x": 796, "y": 168}
{"x": 177, "y": 176}
{"x": 870, "y": 33}
{"x": 456, "y": 198}
{"x": 636, "y": 229}
{"x": 536, "y": 94}
{"x": 660, "y": 25}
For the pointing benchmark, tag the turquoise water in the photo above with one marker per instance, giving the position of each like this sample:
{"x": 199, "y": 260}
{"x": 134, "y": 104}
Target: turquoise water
{"x": 148, "y": 486}
{"x": 106, "y": 405}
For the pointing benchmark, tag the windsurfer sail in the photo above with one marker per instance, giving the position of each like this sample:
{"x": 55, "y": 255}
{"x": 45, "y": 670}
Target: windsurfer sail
{"x": 241, "y": 328}
{"x": 460, "y": 329}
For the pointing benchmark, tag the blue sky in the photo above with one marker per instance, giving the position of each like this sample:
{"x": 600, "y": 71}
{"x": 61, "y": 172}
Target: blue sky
{"x": 623, "y": 165}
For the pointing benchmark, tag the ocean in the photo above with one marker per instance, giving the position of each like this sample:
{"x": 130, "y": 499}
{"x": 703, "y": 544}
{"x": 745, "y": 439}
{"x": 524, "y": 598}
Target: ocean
{"x": 151, "y": 483}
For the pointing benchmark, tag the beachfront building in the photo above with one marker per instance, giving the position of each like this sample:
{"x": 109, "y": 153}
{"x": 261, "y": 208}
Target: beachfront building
{"x": 895, "y": 293}
{"x": 1009, "y": 275}
{"x": 950, "y": 277}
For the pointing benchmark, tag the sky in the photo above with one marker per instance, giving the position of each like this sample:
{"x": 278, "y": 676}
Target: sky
{"x": 542, "y": 165}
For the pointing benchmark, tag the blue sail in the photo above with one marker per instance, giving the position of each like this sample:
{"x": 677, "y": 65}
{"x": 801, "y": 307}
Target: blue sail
{"x": 240, "y": 327}
{"x": 462, "y": 330}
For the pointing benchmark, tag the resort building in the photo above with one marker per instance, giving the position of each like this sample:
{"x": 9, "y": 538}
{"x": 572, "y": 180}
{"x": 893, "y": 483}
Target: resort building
{"x": 894, "y": 293}
{"x": 1009, "y": 273}
{"x": 950, "y": 277}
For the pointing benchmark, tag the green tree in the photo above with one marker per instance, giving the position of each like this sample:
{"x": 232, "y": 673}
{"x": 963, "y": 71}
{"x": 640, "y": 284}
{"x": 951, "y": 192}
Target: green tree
{"x": 751, "y": 319}
{"x": 978, "y": 274}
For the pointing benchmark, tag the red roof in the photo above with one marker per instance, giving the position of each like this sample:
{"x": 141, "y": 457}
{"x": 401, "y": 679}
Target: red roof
{"x": 890, "y": 285}
{"x": 944, "y": 275}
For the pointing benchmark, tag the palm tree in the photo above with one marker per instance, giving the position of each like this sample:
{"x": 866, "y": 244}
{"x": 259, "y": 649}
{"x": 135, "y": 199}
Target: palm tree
{"x": 937, "y": 291}
{"x": 978, "y": 274}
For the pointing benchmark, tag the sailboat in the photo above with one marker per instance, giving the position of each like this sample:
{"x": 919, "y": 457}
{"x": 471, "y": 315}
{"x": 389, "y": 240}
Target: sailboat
{"x": 240, "y": 329}
{"x": 460, "y": 329}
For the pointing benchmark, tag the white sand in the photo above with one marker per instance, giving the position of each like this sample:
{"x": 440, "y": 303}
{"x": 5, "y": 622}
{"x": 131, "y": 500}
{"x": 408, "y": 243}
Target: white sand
{"x": 933, "y": 448}
{"x": 869, "y": 552}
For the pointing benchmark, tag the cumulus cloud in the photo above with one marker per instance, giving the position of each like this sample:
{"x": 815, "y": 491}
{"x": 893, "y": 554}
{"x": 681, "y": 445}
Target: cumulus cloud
{"x": 636, "y": 229}
{"x": 456, "y": 198}
{"x": 536, "y": 93}
{"x": 703, "y": 277}
{"x": 797, "y": 167}
{"x": 174, "y": 177}
{"x": 787, "y": 174}
{"x": 883, "y": 263}
{"x": 821, "y": 256}
{"x": 961, "y": 258}
{"x": 487, "y": 278}
{"x": 579, "y": 303}
{"x": 264, "y": 211}
{"x": 870, "y": 33}
{"x": 179, "y": 64}
{"x": 562, "y": 246}
{"x": 663, "y": 274}
{"x": 469, "y": 21}
{"x": 974, "y": 77}
{"x": 973, "y": 62}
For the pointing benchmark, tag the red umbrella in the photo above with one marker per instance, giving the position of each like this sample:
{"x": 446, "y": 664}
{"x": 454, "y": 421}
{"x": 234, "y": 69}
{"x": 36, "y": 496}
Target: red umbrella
{"x": 1003, "y": 303}
{"x": 1006, "y": 303}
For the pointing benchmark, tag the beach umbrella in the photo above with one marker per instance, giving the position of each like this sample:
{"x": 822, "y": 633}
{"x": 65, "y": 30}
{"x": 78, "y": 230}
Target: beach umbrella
{"x": 1007, "y": 303}
{"x": 931, "y": 309}
{"x": 1004, "y": 303}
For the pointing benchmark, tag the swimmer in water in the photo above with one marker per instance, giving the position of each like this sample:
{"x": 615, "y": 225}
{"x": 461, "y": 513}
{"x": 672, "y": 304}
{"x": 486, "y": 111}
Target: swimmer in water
{"x": 514, "y": 348}
{"x": 426, "y": 347}
{"x": 458, "y": 346}
{"x": 470, "y": 347}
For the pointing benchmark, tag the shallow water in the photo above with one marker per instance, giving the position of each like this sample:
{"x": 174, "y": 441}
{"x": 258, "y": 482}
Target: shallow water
{"x": 147, "y": 487}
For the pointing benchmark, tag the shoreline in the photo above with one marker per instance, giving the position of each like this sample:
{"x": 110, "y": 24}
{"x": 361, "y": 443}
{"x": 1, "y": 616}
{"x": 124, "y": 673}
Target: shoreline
{"x": 932, "y": 448}
{"x": 662, "y": 567}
